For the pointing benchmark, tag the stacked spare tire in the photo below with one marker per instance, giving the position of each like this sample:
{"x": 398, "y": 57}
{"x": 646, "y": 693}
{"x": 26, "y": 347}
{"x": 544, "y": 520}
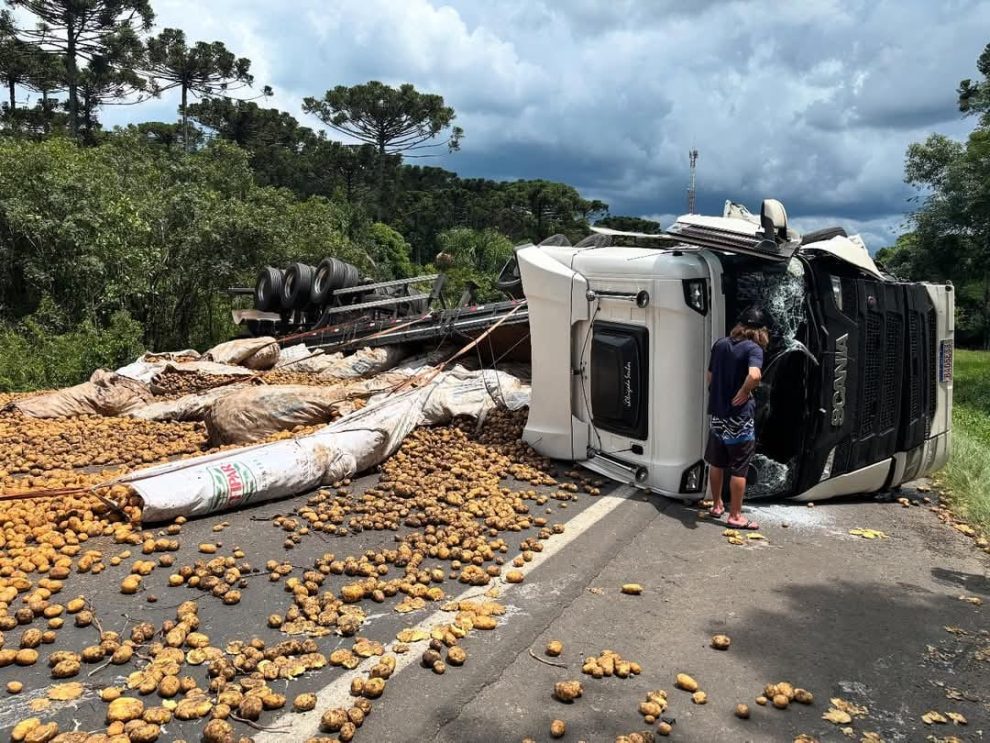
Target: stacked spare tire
{"x": 301, "y": 286}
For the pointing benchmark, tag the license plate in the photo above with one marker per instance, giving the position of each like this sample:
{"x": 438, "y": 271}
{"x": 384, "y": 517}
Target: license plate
{"x": 945, "y": 361}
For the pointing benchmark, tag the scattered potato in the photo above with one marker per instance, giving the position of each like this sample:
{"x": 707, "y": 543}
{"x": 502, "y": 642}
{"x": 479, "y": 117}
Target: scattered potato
{"x": 125, "y": 709}
{"x": 304, "y": 703}
{"x": 456, "y": 656}
{"x": 803, "y": 696}
{"x": 567, "y": 691}
{"x": 633, "y": 589}
{"x": 554, "y": 648}
{"x": 742, "y": 711}
{"x": 685, "y": 682}
{"x": 558, "y": 728}
{"x": 721, "y": 642}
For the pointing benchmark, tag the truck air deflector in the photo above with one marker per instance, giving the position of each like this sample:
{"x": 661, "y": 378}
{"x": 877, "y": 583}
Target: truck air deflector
{"x": 733, "y": 242}
{"x": 619, "y": 379}
{"x": 738, "y": 231}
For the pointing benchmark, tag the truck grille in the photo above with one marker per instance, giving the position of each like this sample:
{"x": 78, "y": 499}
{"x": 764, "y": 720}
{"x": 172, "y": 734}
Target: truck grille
{"x": 932, "y": 370}
{"x": 892, "y": 367}
{"x": 849, "y": 294}
{"x": 914, "y": 393}
{"x": 872, "y": 362}
{"x": 840, "y": 464}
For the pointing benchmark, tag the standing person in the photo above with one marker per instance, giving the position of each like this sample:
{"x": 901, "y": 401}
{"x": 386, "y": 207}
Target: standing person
{"x": 734, "y": 371}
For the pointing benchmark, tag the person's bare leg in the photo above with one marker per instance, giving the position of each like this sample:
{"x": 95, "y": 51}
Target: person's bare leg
{"x": 715, "y": 479}
{"x": 737, "y": 488}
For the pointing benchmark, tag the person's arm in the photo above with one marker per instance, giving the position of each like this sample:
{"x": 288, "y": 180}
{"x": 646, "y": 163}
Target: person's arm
{"x": 753, "y": 376}
{"x": 751, "y": 382}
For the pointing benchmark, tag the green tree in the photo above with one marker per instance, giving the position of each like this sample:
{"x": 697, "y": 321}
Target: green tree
{"x": 974, "y": 97}
{"x": 952, "y": 223}
{"x": 204, "y": 69}
{"x": 285, "y": 153}
{"x": 16, "y": 60}
{"x": 630, "y": 224}
{"x": 477, "y": 256}
{"x": 104, "y": 81}
{"x": 132, "y": 226}
{"x": 396, "y": 121}
{"x": 554, "y": 207}
{"x": 389, "y": 252}
{"x": 81, "y": 30}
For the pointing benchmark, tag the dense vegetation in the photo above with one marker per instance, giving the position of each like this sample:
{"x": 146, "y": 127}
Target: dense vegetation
{"x": 951, "y": 235}
{"x": 115, "y": 240}
{"x": 967, "y": 476}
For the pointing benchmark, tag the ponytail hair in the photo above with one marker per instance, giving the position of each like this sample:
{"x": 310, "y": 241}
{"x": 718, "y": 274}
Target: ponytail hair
{"x": 759, "y": 336}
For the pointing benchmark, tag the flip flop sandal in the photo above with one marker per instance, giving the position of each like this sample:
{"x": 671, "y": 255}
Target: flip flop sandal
{"x": 745, "y": 525}
{"x": 716, "y": 513}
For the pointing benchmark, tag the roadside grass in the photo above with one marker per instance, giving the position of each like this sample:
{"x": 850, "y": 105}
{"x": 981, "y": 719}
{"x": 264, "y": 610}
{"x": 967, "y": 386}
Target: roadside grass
{"x": 967, "y": 475}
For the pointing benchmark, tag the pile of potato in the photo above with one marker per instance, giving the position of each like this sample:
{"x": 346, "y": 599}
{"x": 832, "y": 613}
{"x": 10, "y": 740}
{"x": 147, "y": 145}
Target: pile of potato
{"x": 610, "y": 663}
{"x": 8, "y": 397}
{"x": 176, "y": 384}
{"x": 33, "y": 446}
{"x": 289, "y": 376}
{"x": 445, "y": 489}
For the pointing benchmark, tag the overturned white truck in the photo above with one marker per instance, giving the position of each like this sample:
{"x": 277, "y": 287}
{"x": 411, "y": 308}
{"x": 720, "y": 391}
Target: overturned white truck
{"x": 857, "y": 386}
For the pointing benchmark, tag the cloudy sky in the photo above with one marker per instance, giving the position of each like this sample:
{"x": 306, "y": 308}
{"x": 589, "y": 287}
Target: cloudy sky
{"x": 812, "y": 101}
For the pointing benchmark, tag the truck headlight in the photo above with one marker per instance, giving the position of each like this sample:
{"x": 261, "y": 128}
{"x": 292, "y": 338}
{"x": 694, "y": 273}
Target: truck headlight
{"x": 693, "y": 479}
{"x": 837, "y": 293}
{"x": 696, "y": 295}
{"x": 829, "y": 461}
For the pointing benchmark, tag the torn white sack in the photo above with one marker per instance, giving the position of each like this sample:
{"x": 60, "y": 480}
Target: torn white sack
{"x": 353, "y": 444}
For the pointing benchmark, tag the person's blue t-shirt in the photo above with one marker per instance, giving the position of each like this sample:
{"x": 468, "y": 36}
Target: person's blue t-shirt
{"x": 729, "y": 364}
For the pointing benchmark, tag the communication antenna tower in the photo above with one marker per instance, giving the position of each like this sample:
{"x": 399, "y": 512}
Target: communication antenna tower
{"x": 692, "y": 192}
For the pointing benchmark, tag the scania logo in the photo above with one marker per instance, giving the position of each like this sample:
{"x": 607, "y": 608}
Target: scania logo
{"x": 839, "y": 380}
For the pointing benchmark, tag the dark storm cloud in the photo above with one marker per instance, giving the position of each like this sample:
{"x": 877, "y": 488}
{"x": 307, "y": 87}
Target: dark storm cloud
{"x": 813, "y": 103}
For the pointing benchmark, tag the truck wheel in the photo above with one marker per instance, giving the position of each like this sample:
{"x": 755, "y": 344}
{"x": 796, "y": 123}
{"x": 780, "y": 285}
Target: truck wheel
{"x": 328, "y": 278}
{"x": 509, "y": 281}
{"x": 297, "y": 286}
{"x": 268, "y": 290}
{"x": 352, "y": 277}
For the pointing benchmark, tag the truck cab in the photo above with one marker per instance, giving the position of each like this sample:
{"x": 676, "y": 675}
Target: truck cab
{"x": 857, "y": 380}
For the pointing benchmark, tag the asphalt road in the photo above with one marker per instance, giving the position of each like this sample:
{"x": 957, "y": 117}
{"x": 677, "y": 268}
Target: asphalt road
{"x": 842, "y": 616}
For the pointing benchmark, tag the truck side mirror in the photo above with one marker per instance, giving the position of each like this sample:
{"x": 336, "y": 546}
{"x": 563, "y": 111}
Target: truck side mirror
{"x": 773, "y": 219}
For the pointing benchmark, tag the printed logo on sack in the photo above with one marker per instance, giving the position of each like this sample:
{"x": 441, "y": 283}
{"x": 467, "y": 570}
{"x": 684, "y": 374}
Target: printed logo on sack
{"x": 839, "y": 380}
{"x": 233, "y": 483}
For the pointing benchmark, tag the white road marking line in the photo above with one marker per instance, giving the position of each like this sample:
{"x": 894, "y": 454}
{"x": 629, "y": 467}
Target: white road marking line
{"x": 294, "y": 726}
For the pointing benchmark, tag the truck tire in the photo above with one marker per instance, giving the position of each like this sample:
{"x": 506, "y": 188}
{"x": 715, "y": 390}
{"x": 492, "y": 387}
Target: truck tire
{"x": 329, "y": 277}
{"x": 352, "y": 277}
{"x": 332, "y": 274}
{"x": 509, "y": 281}
{"x": 824, "y": 234}
{"x": 297, "y": 285}
{"x": 268, "y": 290}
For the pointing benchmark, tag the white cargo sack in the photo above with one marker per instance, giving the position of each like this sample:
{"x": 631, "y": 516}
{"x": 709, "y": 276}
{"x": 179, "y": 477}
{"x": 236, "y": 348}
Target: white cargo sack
{"x": 105, "y": 393}
{"x": 254, "y": 353}
{"x": 365, "y": 362}
{"x": 251, "y": 414}
{"x": 149, "y": 364}
{"x": 293, "y": 354}
{"x": 191, "y": 407}
{"x": 353, "y": 444}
